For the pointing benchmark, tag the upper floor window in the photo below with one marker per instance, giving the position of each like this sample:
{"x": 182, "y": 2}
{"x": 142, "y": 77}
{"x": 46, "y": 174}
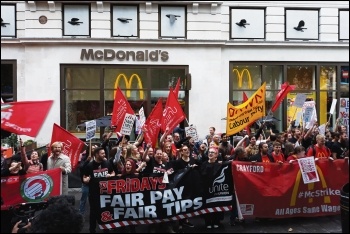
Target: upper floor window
{"x": 8, "y": 20}
{"x": 124, "y": 21}
{"x": 173, "y": 21}
{"x": 76, "y": 20}
{"x": 302, "y": 24}
{"x": 343, "y": 25}
{"x": 247, "y": 23}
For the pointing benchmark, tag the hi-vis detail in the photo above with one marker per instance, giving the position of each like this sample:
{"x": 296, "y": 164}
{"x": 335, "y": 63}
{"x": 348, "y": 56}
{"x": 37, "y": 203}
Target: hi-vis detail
{"x": 325, "y": 193}
{"x": 128, "y": 84}
{"x": 240, "y": 75}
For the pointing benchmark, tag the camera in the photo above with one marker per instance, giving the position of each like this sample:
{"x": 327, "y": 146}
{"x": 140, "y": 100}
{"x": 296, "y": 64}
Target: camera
{"x": 25, "y": 212}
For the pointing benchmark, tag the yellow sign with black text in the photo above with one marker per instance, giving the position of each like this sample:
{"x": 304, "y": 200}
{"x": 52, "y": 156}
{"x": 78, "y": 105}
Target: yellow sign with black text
{"x": 238, "y": 117}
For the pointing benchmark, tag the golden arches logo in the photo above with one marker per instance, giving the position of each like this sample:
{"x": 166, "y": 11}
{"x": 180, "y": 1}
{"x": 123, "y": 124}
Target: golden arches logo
{"x": 128, "y": 83}
{"x": 240, "y": 75}
{"x": 310, "y": 187}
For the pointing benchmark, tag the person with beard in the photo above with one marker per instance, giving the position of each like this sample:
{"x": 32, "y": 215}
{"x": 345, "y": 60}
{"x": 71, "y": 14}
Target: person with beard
{"x": 97, "y": 168}
{"x": 59, "y": 160}
{"x": 225, "y": 148}
{"x": 263, "y": 155}
{"x": 340, "y": 148}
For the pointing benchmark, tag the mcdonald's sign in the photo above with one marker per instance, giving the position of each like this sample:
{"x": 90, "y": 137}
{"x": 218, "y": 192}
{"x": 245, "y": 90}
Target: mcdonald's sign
{"x": 240, "y": 75}
{"x": 128, "y": 83}
{"x": 326, "y": 198}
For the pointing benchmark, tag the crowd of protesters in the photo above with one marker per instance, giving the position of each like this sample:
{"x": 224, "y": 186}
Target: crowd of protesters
{"x": 176, "y": 151}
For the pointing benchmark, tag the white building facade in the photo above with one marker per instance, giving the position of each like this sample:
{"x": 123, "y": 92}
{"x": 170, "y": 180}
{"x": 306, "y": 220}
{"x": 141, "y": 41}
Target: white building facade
{"x": 78, "y": 53}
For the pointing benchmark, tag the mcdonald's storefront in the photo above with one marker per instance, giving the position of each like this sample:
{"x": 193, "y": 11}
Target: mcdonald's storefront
{"x": 82, "y": 84}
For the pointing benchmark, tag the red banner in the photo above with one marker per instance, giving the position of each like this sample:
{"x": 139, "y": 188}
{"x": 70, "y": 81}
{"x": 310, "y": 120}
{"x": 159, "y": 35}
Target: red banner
{"x": 270, "y": 190}
{"x": 121, "y": 106}
{"x": 24, "y": 118}
{"x": 72, "y": 146}
{"x": 34, "y": 187}
{"x": 172, "y": 113}
{"x": 153, "y": 123}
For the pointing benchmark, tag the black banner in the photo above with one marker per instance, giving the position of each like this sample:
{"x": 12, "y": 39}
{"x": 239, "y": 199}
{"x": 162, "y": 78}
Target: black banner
{"x": 146, "y": 200}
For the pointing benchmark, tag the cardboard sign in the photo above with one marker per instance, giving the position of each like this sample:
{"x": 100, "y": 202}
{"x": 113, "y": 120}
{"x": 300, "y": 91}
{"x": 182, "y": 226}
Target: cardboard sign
{"x": 299, "y": 100}
{"x": 334, "y": 103}
{"x": 192, "y": 132}
{"x": 128, "y": 123}
{"x": 90, "y": 129}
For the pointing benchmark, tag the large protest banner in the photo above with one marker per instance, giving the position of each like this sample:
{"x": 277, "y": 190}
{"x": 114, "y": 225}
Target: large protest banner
{"x": 33, "y": 187}
{"x": 239, "y": 117}
{"x": 146, "y": 200}
{"x": 278, "y": 191}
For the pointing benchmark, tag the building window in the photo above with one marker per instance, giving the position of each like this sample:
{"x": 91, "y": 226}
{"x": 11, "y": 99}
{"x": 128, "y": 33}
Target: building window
{"x": 302, "y": 24}
{"x": 124, "y": 21}
{"x": 247, "y": 23}
{"x": 76, "y": 20}
{"x": 172, "y": 21}
{"x": 321, "y": 83}
{"x": 89, "y": 91}
{"x": 343, "y": 24}
{"x": 8, "y": 20}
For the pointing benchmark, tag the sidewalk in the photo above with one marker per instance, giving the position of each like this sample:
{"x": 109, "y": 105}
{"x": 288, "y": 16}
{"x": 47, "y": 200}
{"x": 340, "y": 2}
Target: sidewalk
{"x": 324, "y": 224}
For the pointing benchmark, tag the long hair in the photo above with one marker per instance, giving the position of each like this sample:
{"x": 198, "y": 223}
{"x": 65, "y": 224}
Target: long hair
{"x": 133, "y": 167}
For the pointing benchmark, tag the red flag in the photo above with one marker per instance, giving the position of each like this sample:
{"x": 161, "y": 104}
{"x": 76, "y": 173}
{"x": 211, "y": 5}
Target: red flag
{"x": 177, "y": 88}
{"x": 153, "y": 123}
{"x": 285, "y": 89}
{"x": 172, "y": 113}
{"x": 120, "y": 108}
{"x": 72, "y": 146}
{"x": 245, "y": 98}
{"x": 24, "y": 118}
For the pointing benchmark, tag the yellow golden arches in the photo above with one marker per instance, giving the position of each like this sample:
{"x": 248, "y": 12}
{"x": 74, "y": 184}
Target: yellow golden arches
{"x": 240, "y": 75}
{"x": 293, "y": 199}
{"x": 128, "y": 83}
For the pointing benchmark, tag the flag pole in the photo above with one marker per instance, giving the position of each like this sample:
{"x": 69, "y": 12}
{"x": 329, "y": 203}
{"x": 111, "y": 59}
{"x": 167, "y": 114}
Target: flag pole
{"x": 90, "y": 148}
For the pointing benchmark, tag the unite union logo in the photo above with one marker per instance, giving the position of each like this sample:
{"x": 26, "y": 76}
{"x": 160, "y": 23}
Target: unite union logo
{"x": 36, "y": 188}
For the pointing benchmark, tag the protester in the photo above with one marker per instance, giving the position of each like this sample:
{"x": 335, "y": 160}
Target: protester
{"x": 99, "y": 167}
{"x": 208, "y": 171}
{"x": 32, "y": 165}
{"x": 299, "y": 152}
{"x": 44, "y": 157}
{"x": 59, "y": 160}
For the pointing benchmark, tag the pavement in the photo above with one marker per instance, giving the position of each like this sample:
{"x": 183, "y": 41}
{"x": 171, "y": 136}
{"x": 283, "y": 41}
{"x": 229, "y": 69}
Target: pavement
{"x": 324, "y": 224}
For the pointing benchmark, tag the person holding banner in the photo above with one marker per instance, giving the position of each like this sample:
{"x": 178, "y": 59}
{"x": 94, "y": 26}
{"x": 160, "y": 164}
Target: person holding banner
{"x": 186, "y": 161}
{"x": 59, "y": 160}
{"x": 208, "y": 171}
{"x": 99, "y": 167}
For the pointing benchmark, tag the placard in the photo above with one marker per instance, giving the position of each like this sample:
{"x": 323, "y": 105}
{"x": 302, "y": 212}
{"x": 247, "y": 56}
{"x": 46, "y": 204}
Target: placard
{"x": 90, "y": 129}
{"x": 128, "y": 123}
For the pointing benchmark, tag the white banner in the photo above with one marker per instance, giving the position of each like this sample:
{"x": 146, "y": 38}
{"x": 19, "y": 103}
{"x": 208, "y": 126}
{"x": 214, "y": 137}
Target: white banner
{"x": 334, "y": 103}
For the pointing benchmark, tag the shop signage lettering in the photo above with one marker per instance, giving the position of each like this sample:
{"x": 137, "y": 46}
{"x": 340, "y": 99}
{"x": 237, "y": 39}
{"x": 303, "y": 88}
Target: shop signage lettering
{"x": 122, "y": 55}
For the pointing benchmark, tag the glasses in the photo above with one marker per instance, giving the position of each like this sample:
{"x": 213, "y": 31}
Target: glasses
{"x": 212, "y": 152}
